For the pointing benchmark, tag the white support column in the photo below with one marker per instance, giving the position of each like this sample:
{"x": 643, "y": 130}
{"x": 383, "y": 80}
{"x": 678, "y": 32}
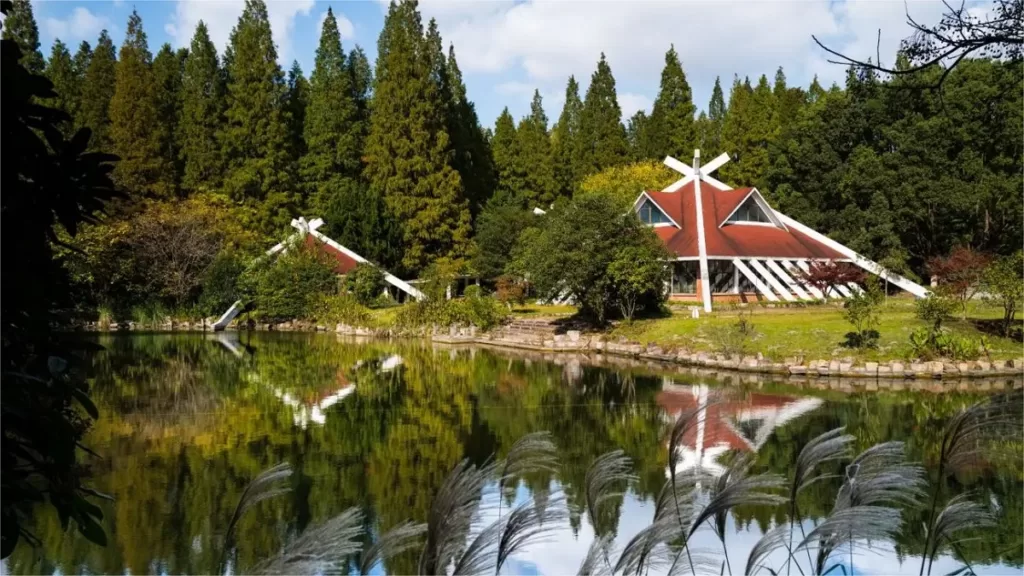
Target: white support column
{"x": 772, "y": 281}
{"x": 761, "y": 286}
{"x": 702, "y": 250}
{"x": 785, "y": 277}
{"x": 795, "y": 270}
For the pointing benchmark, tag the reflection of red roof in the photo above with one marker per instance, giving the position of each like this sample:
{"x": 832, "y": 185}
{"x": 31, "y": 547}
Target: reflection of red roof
{"x": 345, "y": 263}
{"x": 733, "y": 239}
{"x": 720, "y": 416}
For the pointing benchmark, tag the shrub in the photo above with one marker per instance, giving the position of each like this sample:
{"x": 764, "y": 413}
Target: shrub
{"x": 639, "y": 274}
{"x": 366, "y": 283}
{"x": 289, "y": 287}
{"x": 340, "y": 308}
{"x": 933, "y": 310}
{"x": 473, "y": 309}
{"x": 861, "y": 310}
{"x": 926, "y": 345}
{"x": 1004, "y": 286}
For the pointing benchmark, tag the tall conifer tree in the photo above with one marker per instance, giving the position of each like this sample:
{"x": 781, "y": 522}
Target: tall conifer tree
{"x": 254, "y": 137}
{"x": 361, "y": 79}
{"x": 202, "y": 98}
{"x": 296, "y": 101}
{"x": 602, "y": 135}
{"x": 134, "y": 119}
{"x": 715, "y": 120}
{"x": 504, "y": 145}
{"x": 671, "y": 129}
{"x": 540, "y": 188}
{"x": 473, "y": 157}
{"x": 332, "y": 128}
{"x": 408, "y": 146}
{"x": 167, "y": 72}
{"x": 97, "y": 90}
{"x": 638, "y": 132}
{"x": 20, "y": 26}
{"x": 736, "y": 132}
{"x": 81, "y": 60}
{"x": 60, "y": 70}
{"x": 565, "y": 140}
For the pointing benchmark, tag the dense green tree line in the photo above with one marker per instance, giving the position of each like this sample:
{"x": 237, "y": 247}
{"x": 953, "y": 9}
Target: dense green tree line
{"x": 395, "y": 160}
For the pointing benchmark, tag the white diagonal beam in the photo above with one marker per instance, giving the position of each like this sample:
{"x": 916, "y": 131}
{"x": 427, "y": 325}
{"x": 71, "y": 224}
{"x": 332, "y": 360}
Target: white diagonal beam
{"x": 832, "y": 292}
{"x": 843, "y": 290}
{"x": 912, "y": 287}
{"x": 761, "y": 287}
{"x": 795, "y": 270}
{"x": 714, "y": 164}
{"x": 794, "y": 286}
{"x": 786, "y": 294}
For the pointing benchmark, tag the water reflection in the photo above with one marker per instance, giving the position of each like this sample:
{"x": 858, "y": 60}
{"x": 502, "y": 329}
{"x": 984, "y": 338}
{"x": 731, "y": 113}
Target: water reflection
{"x": 188, "y": 420}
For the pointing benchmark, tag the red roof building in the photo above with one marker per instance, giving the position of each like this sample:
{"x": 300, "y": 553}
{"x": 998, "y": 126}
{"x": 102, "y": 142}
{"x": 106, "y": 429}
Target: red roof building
{"x": 731, "y": 245}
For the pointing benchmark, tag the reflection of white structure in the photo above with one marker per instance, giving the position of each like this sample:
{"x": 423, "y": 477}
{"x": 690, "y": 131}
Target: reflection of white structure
{"x": 315, "y": 412}
{"x": 390, "y": 363}
{"x": 742, "y": 423}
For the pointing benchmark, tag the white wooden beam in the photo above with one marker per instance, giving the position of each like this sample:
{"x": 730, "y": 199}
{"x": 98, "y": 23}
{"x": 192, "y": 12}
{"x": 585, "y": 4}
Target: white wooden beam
{"x": 761, "y": 287}
{"x": 772, "y": 281}
{"x": 912, "y": 287}
{"x": 794, "y": 286}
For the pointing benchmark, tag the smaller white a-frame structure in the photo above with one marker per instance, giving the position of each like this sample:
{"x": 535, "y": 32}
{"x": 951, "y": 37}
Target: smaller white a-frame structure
{"x": 310, "y": 227}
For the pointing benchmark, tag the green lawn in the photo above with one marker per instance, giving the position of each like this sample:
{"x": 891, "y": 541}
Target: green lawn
{"x": 815, "y": 332}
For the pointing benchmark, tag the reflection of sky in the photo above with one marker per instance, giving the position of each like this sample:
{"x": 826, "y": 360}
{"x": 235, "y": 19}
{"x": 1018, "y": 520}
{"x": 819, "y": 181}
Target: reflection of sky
{"x": 561, "y": 553}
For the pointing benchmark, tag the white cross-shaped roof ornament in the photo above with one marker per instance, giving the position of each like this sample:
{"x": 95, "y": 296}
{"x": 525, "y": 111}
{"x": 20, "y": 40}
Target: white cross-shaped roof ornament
{"x": 696, "y": 171}
{"x": 305, "y": 227}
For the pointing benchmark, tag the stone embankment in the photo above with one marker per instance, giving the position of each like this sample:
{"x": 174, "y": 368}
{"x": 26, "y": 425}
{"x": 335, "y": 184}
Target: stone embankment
{"x": 543, "y": 335}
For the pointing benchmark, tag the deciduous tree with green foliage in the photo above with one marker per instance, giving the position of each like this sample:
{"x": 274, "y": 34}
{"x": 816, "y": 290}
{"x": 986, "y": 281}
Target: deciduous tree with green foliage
{"x": 202, "y": 105}
{"x": 1004, "y": 285}
{"x": 498, "y": 229}
{"x": 408, "y": 149}
{"x": 576, "y": 246}
{"x": 135, "y": 124}
{"x": 602, "y": 141}
{"x": 624, "y": 183}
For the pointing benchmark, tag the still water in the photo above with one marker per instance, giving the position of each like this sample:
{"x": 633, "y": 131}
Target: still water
{"x": 188, "y": 420}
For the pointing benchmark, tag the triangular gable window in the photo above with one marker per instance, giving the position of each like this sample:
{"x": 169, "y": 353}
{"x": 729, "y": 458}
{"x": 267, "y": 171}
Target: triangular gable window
{"x": 650, "y": 213}
{"x": 749, "y": 211}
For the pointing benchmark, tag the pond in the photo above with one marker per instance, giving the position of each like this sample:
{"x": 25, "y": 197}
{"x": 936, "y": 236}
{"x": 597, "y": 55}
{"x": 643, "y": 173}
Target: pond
{"x": 188, "y": 420}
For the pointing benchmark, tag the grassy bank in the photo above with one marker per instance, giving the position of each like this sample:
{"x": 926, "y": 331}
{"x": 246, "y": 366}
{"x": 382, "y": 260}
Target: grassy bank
{"x": 814, "y": 332}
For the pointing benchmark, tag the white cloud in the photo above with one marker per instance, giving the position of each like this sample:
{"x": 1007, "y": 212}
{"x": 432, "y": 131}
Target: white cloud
{"x": 542, "y": 43}
{"x": 631, "y": 103}
{"x": 345, "y": 26}
{"x": 81, "y": 24}
{"x": 222, "y": 15}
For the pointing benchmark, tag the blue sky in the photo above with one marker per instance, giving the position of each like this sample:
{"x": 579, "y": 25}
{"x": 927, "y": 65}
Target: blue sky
{"x": 507, "y": 49}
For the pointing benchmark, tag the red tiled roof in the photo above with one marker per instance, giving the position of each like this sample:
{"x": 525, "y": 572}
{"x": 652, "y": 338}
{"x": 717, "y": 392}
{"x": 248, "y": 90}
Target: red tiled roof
{"x": 345, "y": 263}
{"x": 731, "y": 240}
